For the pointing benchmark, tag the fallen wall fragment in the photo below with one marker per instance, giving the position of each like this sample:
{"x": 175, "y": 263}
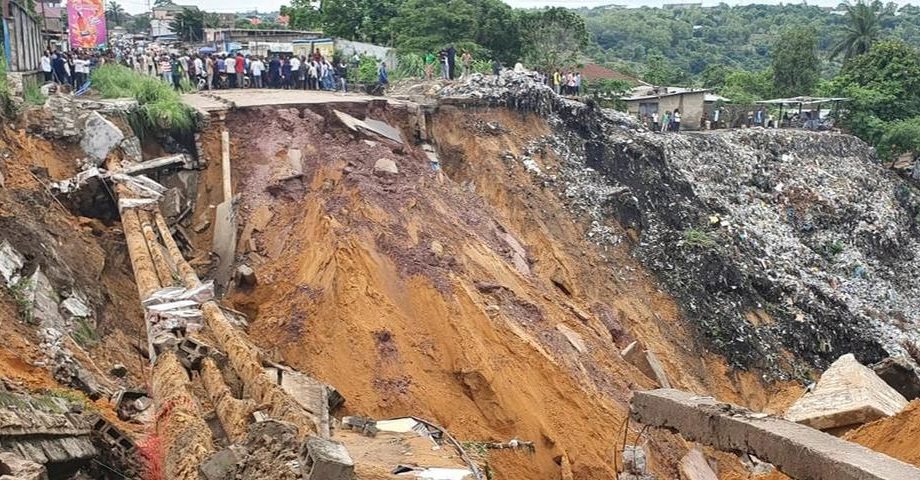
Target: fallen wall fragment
{"x": 797, "y": 450}
{"x": 848, "y": 393}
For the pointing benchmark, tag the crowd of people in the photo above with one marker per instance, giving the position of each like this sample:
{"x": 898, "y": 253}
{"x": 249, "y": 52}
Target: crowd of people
{"x": 566, "y": 83}
{"x": 209, "y": 71}
{"x": 70, "y": 68}
{"x": 669, "y": 122}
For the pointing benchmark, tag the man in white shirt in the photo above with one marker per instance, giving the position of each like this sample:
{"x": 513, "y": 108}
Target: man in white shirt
{"x": 230, "y": 66}
{"x": 46, "y": 66}
{"x": 295, "y": 71}
{"x": 256, "y": 67}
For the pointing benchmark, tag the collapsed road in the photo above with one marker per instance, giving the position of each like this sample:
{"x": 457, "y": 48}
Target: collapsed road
{"x": 314, "y": 275}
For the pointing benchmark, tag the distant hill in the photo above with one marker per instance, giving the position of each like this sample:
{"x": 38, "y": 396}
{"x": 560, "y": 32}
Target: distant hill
{"x": 738, "y": 37}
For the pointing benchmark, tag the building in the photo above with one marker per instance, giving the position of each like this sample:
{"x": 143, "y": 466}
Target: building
{"x": 593, "y": 71}
{"x": 681, "y": 6}
{"x": 226, "y": 20}
{"x": 54, "y": 29}
{"x": 162, "y": 16}
{"x": 228, "y": 39}
{"x": 22, "y": 45}
{"x": 647, "y": 99}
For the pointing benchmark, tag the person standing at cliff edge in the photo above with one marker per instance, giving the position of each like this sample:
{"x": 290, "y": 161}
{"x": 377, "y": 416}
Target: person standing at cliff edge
{"x": 451, "y": 62}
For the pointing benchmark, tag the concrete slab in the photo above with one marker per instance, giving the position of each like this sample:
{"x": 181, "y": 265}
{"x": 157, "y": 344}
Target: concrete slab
{"x": 647, "y": 362}
{"x": 222, "y": 100}
{"x": 224, "y": 242}
{"x": 797, "y": 450}
{"x": 848, "y": 393}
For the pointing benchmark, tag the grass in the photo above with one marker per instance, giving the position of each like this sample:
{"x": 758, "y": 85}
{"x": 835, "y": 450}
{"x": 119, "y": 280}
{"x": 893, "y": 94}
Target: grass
{"x": 85, "y": 334}
{"x": 161, "y": 108}
{"x": 7, "y": 108}
{"x": 33, "y": 95}
{"x": 699, "y": 238}
{"x": 21, "y": 293}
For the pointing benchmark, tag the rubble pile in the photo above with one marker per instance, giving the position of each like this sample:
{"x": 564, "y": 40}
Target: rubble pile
{"x": 766, "y": 237}
{"x": 521, "y": 91}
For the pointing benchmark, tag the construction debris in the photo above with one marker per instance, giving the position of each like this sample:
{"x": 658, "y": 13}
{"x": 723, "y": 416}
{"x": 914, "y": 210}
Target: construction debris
{"x": 901, "y": 375}
{"x": 324, "y": 459}
{"x": 847, "y": 394}
{"x": 647, "y": 362}
{"x": 797, "y": 450}
{"x": 695, "y": 467}
{"x": 100, "y": 137}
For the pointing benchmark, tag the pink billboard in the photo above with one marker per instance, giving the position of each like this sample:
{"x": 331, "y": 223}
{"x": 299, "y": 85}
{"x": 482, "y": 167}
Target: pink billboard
{"x": 86, "y": 20}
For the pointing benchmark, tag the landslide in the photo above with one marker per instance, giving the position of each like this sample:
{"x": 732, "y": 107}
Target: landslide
{"x": 470, "y": 296}
{"x": 44, "y": 351}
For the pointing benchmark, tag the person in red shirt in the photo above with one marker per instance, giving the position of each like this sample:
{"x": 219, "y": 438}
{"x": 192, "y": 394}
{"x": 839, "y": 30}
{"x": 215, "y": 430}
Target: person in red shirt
{"x": 240, "y": 69}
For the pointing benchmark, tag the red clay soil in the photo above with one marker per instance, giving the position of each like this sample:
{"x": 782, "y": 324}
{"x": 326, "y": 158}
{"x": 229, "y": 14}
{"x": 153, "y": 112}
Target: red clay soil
{"x": 402, "y": 293}
{"x": 897, "y": 436}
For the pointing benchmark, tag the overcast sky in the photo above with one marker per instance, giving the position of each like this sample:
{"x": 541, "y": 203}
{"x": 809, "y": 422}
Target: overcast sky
{"x": 138, "y": 6}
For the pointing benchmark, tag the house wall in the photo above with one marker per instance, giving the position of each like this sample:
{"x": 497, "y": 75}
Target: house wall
{"x": 22, "y": 39}
{"x": 690, "y": 105}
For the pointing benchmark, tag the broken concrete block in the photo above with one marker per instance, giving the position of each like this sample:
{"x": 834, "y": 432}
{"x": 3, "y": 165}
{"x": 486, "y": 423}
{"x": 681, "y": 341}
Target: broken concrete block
{"x": 847, "y": 394}
{"x": 325, "y": 460}
{"x": 14, "y": 467}
{"x": 100, "y": 137}
{"x": 220, "y": 466}
{"x": 131, "y": 147}
{"x": 659, "y": 374}
{"x": 11, "y": 262}
{"x": 384, "y": 167}
{"x": 573, "y": 337}
{"x": 900, "y": 375}
{"x": 796, "y": 450}
{"x": 75, "y": 307}
{"x": 245, "y": 276}
{"x": 634, "y": 460}
{"x": 142, "y": 404}
{"x": 695, "y": 467}
{"x": 647, "y": 362}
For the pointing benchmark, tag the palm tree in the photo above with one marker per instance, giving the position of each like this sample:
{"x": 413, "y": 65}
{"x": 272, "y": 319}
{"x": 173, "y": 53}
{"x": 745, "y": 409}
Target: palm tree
{"x": 114, "y": 12}
{"x": 862, "y": 29}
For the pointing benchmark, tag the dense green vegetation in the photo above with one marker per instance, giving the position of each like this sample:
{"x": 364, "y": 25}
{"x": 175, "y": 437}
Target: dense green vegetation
{"x": 738, "y": 37}
{"x": 161, "y": 107}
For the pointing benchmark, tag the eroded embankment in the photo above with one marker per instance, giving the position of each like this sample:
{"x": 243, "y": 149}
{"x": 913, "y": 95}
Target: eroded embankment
{"x": 468, "y": 296}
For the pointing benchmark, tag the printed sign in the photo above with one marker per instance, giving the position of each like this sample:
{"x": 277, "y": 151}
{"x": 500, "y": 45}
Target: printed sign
{"x": 86, "y": 19}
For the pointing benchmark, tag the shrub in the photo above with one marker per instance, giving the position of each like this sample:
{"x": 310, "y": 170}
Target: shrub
{"x": 410, "y": 65}
{"x": 161, "y": 108}
{"x": 33, "y": 95}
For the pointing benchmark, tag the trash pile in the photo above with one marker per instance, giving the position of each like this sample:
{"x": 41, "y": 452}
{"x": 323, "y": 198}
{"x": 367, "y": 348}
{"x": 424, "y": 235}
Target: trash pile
{"x": 521, "y": 91}
{"x": 772, "y": 241}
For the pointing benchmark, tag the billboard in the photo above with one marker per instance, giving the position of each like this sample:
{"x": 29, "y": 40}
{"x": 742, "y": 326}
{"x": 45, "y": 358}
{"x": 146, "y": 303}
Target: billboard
{"x": 86, "y": 20}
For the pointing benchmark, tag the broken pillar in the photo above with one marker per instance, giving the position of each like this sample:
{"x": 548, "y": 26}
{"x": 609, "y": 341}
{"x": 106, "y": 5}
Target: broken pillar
{"x": 185, "y": 436}
{"x": 235, "y": 414}
{"x": 797, "y": 450}
{"x": 325, "y": 460}
{"x": 247, "y": 363}
{"x": 847, "y": 394}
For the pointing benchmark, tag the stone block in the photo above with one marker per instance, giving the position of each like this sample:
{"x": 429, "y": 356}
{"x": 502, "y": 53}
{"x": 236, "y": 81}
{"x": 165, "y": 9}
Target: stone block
{"x": 695, "y": 467}
{"x": 384, "y": 167}
{"x": 325, "y": 460}
{"x": 220, "y": 466}
{"x": 900, "y": 375}
{"x": 647, "y": 363}
{"x": 847, "y": 394}
{"x": 15, "y": 467}
{"x": 797, "y": 450}
{"x": 100, "y": 137}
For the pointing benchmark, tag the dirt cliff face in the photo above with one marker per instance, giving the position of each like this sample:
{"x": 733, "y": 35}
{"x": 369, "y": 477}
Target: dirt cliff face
{"x": 469, "y": 295}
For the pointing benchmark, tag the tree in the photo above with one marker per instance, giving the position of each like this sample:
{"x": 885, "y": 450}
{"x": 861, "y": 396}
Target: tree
{"x": 861, "y": 31}
{"x": 883, "y": 86}
{"x": 552, "y": 38}
{"x": 301, "y": 15}
{"x": 140, "y": 23}
{"x": 188, "y": 25}
{"x": 114, "y": 12}
{"x": 364, "y": 20}
{"x": 796, "y": 67}
{"x": 484, "y": 27}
